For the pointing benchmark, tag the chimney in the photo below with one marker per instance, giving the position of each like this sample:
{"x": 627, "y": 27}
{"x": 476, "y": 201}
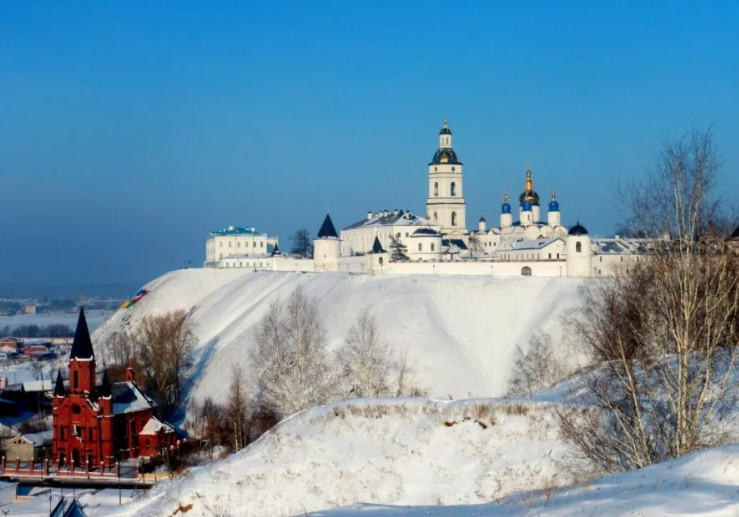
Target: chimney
{"x": 130, "y": 375}
{"x": 369, "y": 215}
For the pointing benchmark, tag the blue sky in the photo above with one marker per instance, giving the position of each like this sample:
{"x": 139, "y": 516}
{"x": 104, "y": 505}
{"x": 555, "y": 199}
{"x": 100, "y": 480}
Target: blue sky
{"x": 130, "y": 129}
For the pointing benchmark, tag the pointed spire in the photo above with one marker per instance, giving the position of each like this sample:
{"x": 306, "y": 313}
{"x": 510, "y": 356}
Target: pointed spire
{"x": 505, "y": 196}
{"x": 82, "y": 345}
{"x": 327, "y": 229}
{"x": 59, "y": 386}
{"x": 105, "y": 386}
{"x": 554, "y": 195}
{"x": 276, "y": 250}
{"x": 376, "y": 246}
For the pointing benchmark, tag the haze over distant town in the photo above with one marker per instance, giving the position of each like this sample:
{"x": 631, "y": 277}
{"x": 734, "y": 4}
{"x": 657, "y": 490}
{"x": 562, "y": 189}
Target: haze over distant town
{"x": 130, "y": 131}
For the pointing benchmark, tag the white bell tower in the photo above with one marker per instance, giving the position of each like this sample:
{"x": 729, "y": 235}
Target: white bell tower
{"x": 445, "y": 205}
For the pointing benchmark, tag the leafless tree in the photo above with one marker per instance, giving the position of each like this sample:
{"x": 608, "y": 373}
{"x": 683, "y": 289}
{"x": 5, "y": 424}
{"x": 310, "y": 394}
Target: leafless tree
{"x": 163, "y": 342}
{"x": 665, "y": 334}
{"x": 121, "y": 349}
{"x": 365, "y": 360}
{"x": 536, "y": 369}
{"x": 404, "y": 383}
{"x": 237, "y": 410}
{"x": 290, "y": 359}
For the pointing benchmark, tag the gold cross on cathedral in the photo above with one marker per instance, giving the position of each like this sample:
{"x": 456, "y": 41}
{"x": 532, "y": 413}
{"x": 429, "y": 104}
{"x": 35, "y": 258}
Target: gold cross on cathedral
{"x": 82, "y": 300}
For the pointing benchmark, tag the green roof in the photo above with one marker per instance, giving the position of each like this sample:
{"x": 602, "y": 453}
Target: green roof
{"x": 234, "y": 230}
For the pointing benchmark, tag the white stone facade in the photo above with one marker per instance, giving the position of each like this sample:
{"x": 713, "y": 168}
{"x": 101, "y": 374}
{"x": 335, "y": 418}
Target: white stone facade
{"x": 440, "y": 243}
{"x": 234, "y": 245}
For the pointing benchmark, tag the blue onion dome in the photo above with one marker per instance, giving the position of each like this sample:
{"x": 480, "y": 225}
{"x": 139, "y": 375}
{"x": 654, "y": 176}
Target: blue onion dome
{"x": 505, "y": 208}
{"x": 578, "y": 230}
{"x": 554, "y": 204}
{"x": 529, "y": 194}
{"x": 526, "y": 206}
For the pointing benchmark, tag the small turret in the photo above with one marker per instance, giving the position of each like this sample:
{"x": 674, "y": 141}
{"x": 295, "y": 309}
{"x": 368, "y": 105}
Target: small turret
{"x": 553, "y": 216}
{"x": 579, "y": 253}
{"x": 482, "y": 225}
{"x": 326, "y": 247}
{"x": 506, "y": 218}
{"x": 527, "y": 214}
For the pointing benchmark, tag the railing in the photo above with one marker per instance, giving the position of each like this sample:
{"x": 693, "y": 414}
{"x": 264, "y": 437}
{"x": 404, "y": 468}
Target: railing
{"x": 47, "y": 468}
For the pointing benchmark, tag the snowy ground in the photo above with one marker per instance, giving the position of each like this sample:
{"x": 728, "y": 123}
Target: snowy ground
{"x": 460, "y": 331}
{"x": 390, "y": 451}
{"x": 426, "y": 458}
{"x": 700, "y": 484}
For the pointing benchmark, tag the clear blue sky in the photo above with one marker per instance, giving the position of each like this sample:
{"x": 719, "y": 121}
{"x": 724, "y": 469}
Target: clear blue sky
{"x": 130, "y": 129}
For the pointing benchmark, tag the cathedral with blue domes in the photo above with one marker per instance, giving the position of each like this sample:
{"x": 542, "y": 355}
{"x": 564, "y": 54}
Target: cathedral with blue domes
{"x": 525, "y": 241}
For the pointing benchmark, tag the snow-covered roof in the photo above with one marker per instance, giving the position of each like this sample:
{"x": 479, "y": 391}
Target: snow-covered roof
{"x": 38, "y": 386}
{"x": 248, "y": 256}
{"x": 523, "y": 243}
{"x": 236, "y": 230}
{"x": 154, "y": 426}
{"x": 41, "y": 438}
{"x": 620, "y": 246}
{"x": 425, "y": 232}
{"x": 128, "y": 398}
{"x": 453, "y": 245}
{"x": 390, "y": 218}
{"x": 37, "y": 342}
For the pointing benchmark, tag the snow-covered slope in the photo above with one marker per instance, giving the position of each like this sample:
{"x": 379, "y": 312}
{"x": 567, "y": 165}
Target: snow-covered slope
{"x": 700, "y": 484}
{"x": 469, "y": 458}
{"x": 460, "y": 331}
{"x": 390, "y": 451}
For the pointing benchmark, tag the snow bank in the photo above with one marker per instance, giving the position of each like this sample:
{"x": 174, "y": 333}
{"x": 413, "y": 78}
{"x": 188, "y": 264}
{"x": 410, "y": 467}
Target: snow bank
{"x": 390, "y": 451}
{"x": 702, "y": 483}
{"x": 460, "y": 331}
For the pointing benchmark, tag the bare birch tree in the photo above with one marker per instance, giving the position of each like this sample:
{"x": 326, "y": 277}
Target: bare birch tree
{"x": 665, "y": 333}
{"x": 535, "y": 369}
{"x": 404, "y": 377}
{"x": 365, "y": 360}
{"x": 237, "y": 410}
{"x": 290, "y": 359}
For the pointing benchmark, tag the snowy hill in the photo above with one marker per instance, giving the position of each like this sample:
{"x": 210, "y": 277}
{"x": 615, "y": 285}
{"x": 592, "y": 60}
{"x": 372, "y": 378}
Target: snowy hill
{"x": 390, "y": 451}
{"x": 460, "y": 331}
{"x": 469, "y": 458}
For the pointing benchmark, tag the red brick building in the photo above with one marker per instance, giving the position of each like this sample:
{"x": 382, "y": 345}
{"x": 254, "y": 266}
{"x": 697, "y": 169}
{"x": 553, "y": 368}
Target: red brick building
{"x": 103, "y": 424}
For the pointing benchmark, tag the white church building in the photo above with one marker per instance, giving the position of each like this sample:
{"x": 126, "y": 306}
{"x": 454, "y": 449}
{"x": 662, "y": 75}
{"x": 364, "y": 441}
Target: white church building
{"x": 401, "y": 242}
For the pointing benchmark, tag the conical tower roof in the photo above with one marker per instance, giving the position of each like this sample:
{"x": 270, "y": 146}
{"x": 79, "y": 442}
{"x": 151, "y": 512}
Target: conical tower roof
{"x": 327, "y": 229}
{"x": 82, "y": 345}
{"x": 377, "y": 246}
{"x": 105, "y": 386}
{"x": 59, "y": 386}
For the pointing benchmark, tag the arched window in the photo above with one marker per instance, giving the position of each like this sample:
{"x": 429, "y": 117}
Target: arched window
{"x": 380, "y": 260}
{"x": 454, "y": 189}
{"x": 454, "y": 218}
{"x": 526, "y": 271}
{"x": 432, "y": 246}
{"x": 76, "y": 379}
{"x": 436, "y": 188}
{"x": 420, "y": 247}
{"x": 578, "y": 247}
{"x": 436, "y": 217}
